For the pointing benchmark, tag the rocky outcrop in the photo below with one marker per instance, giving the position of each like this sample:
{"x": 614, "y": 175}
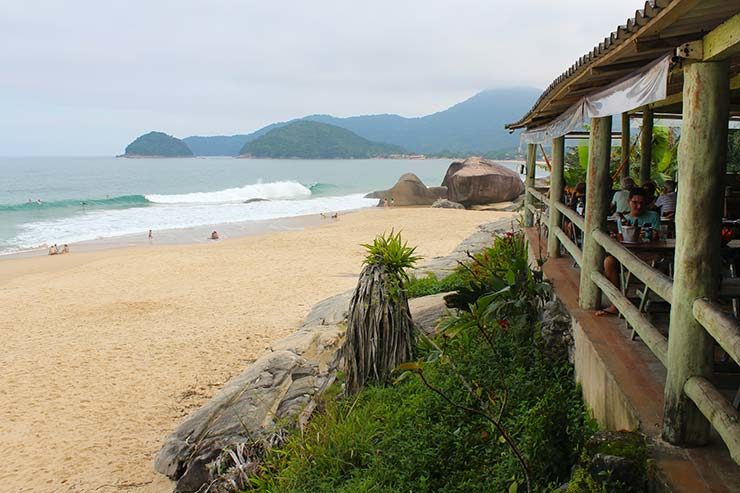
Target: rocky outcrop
{"x": 479, "y": 181}
{"x": 444, "y": 266}
{"x": 249, "y": 415}
{"x": 279, "y": 385}
{"x": 408, "y": 190}
{"x": 446, "y": 204}
{"x": 426, "y": 312}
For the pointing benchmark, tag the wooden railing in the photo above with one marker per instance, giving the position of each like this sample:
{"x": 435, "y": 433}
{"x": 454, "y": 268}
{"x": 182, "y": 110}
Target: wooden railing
{"x": 566, "y": 211}
{"x": 686, "y": 376}
{"x": 724, "y": 417}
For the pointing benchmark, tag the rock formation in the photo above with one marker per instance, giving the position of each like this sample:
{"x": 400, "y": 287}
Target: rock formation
{"x": 250, "y": 414}
{"x": 447, "y": 204}
{"x": 409, "y": 190}
{"x": 479, "y": 181}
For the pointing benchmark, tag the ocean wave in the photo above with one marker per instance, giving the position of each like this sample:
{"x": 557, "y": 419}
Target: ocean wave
{"x": 111, "y": 203}
{"x": 96, "y": 224}
{"x": 278, "y": 190}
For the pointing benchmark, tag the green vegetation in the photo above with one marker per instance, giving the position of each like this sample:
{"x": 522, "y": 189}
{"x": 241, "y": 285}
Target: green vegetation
{"x": 314, "y": 140}
{"x": 430, "y": 284}
{"x": 733, "y": 151}
{"x": 380, "y": 332}
{"x": 158, "y": 144}
{"x": 482, "y": 409}
{"x": 627, "y": 471}
{"x": 664, "y": 159}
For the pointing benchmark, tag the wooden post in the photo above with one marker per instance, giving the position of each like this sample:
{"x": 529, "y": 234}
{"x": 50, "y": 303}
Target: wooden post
{"x": 529, "y": 182}
{"x": 556, "y": 193}
{"x": 597, "y": 208}
{"x": 625, "y": 144}
{"x": 701, "y": 160}
{"x": 646, "y": 145}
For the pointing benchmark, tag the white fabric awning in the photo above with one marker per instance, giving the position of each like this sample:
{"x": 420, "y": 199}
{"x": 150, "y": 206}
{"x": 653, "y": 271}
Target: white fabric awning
{"x": 644, "y": 86}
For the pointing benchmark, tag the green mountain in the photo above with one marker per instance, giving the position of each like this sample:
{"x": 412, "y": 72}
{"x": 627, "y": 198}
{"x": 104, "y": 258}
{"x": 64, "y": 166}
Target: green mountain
{"x": 314, "y": 140}
{"x": 158, "y": 144}
{"x": 474, "y": 126}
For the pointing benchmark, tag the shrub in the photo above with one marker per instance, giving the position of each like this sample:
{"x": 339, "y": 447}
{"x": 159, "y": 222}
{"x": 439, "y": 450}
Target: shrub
{"x": 415, "y": 437}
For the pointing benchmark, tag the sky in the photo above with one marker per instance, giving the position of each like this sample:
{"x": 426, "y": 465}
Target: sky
{"x": 84, "y": 77}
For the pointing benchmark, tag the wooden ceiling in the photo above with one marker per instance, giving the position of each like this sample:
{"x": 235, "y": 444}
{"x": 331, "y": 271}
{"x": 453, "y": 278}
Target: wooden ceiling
{"x": 659, "y": 28}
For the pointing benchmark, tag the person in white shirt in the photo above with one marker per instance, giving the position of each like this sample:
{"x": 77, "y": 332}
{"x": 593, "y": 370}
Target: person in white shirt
{"x": 621, "y": 199}
{"x": 667, "y": 201}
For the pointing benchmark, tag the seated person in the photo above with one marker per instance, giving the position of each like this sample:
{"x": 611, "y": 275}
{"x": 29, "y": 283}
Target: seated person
{"x": 667, "y": 201}
{"x": 650, "y": 189}
{"x": 620, "y": 200}
{"x": 214, "y": 235}
{"x": 638, "y": 216}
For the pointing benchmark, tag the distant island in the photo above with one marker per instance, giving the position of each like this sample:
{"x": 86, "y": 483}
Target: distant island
{"x": 157, "y": 144}
{"x": 306, "y": 139}
{"x": 473, "y": 127}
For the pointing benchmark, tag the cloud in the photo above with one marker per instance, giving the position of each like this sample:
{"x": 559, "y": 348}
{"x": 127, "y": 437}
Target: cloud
{"x": 86, "y": 77}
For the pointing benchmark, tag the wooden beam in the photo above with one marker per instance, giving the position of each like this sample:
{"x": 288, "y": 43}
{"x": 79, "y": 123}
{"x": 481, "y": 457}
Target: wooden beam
{"x": 625, "y": 145}
{"x": 724, "y": 41}
{"x": 646, "y": 145}
{"x": 652, "y": 338}
{"x": 597, "y": 208}
{"x": 658, "y": 282}
{"x": 571, "y": 247}
{"x": 721, "y": 326}
{"x": 701, "y": 165}
{"x": 529, "y": 182}
{"x": 718, "y": 411}
{"x": 557, "y": 182}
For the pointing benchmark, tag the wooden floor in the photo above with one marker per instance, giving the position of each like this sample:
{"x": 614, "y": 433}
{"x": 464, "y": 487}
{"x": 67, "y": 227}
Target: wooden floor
{"x": 641, "y": 378}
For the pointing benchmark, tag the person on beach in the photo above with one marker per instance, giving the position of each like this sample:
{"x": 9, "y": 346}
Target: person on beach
{"x": 214, "y": 235}
{"x": 53, "y": 250}
{"x": 393, "y": 202}
{"x": 65, "y": 249}
{"x": 150, "y": 235}
{"x": 385, "y": 202}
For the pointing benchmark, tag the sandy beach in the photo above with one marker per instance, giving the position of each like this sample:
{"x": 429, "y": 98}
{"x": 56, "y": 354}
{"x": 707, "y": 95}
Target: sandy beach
{"x": 105, "y": 352}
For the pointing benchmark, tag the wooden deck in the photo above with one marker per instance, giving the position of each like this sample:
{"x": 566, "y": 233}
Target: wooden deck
{"x": 637, "y": 375}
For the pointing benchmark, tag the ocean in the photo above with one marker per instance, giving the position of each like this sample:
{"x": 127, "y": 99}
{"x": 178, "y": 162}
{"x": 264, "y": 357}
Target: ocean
{"x": 58, "y": 200}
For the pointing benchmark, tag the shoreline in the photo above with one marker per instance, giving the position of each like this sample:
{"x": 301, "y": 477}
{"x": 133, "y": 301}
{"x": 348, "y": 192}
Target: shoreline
{"x": 188, "y": 236}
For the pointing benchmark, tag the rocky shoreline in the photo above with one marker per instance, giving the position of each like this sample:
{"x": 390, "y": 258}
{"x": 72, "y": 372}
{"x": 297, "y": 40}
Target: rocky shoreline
{"x": 252, "y": 410}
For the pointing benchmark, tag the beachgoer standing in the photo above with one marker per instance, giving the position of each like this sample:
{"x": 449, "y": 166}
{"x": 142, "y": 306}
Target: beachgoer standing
{"x": 385, "y": 202}
{"x": 150, "y": 235}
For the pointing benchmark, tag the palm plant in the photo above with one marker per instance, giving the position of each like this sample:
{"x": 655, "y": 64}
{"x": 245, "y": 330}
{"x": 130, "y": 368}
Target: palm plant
{"x": 380, "y": 332}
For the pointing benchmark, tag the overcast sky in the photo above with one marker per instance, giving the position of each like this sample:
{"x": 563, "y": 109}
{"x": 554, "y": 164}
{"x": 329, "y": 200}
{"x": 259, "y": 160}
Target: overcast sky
{"x": 85, "y": 77}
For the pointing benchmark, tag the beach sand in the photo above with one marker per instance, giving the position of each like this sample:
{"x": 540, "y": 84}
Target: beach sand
{"x": 105, "y": 352}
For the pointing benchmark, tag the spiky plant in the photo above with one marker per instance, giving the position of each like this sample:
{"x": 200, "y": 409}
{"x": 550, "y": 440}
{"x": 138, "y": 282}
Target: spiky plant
{"x": 380, "y": 332}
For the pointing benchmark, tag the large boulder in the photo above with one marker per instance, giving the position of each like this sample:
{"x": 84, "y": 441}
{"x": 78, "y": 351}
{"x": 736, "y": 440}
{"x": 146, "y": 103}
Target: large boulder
{"x": 446, "y": 204}
{"x": 479, "y": 181}
{"x": 280, "y": 385}
{"x": 409, "y": 190}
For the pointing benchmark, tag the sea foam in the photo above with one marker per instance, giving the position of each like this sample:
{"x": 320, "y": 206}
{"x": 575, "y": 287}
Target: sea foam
{"x": 98, "y": 224}
{"x": 270, "y": 191}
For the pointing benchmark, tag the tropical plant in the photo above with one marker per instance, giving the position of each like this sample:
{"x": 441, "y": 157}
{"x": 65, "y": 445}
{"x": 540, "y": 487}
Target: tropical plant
{"x": 380, "y": 332}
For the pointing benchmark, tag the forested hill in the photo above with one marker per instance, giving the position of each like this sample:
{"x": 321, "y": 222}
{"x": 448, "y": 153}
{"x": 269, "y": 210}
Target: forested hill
{"x": 158, "y": 144}
{"x": 474, "y": 126}
{"x": 314, "y": 140}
